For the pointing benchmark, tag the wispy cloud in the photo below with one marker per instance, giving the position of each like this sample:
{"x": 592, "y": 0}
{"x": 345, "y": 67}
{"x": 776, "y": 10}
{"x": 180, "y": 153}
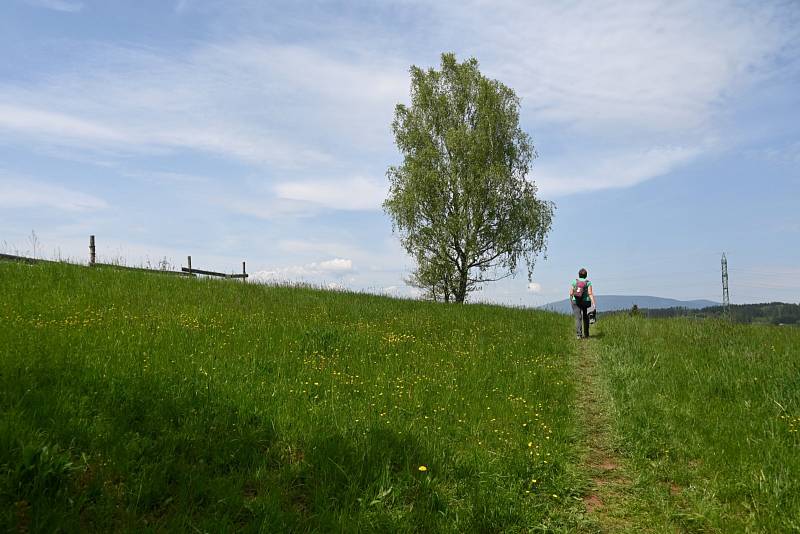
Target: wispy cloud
{"x": 135, "y": 135}
{"x": 17, "y": 193}
{"x": 166, "y": 177}
{"x": 348, "y": 194}
{"x": 647, "y": 80}
{"x": 316, "y": 247}
{"x": 266, "y": 104}
{"x": 626, "y": 168}
{"x": 28, "y": 120}
{"x": 651, "y": 66}
{"x": 58, "y": 5}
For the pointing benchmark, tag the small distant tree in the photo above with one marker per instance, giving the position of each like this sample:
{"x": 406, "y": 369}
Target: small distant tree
{"x": 634, "y": 310}
{"x": 435, "y": 280}
{"x": 461, "y": 201}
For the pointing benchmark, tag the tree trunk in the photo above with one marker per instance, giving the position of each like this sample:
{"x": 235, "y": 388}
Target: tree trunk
{"x": 461, "y": 291}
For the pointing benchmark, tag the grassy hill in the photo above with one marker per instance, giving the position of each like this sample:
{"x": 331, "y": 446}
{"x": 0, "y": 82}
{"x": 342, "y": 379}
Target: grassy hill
{"x": 134, "y": 401}
{"x": 141, "y": 402}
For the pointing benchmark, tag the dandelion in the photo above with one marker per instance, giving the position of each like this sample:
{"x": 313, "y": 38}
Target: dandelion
{"x": 423, "y": 468}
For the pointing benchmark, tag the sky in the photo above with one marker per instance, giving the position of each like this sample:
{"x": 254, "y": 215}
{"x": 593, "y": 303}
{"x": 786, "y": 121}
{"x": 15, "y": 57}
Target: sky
{"x": 667, "y": 133}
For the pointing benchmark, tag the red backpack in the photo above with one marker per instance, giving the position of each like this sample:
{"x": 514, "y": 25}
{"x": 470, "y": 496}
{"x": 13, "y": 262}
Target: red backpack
{"x": 581, "y": 292}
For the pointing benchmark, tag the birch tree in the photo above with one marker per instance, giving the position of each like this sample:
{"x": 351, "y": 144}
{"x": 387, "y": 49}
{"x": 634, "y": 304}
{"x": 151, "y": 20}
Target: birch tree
{"x": 461, "y": 201}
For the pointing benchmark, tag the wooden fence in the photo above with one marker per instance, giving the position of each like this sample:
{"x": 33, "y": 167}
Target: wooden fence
{"x": 185, "y": 271}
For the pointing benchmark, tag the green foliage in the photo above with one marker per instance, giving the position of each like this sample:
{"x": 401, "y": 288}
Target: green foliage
{"x": 709, "y": 414}
{"x": 140, "y": 402}
{"x": 39, "y": 469}
{"x": 460, "y": 201}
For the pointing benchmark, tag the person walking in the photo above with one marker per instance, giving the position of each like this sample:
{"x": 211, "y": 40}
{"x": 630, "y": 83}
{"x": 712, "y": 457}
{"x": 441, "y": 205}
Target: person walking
{"x": 582, "y": 299}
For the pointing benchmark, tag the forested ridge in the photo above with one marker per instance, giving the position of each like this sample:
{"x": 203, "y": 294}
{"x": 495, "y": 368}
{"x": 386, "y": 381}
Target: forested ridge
{"x": 776, "y": 313}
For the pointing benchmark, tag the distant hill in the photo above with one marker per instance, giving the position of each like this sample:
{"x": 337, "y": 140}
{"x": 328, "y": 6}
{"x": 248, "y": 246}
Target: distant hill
{"x": 607, "y": 303}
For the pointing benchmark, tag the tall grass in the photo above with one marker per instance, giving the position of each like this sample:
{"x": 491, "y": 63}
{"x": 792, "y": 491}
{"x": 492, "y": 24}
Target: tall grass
{"x": 709, "y": 412}
{"x": 135, "y": 402}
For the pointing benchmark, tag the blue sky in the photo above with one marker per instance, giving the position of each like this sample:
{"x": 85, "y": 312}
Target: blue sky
{"x": 667, "y": 133}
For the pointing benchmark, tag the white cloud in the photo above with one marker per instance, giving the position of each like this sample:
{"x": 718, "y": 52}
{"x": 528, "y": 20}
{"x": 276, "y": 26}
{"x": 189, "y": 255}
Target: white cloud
{"x": 535, "y": 287}
{"x": 29, "y": 120}
{"x": 649, "y": 65}
{"x": 258, "y": 103}
{"x": 349, "y": 194}
{"x": 648, "y": 80}
{"x": 315, "y": 272}
{"x": 336, "y": 265}
{"x": 264, "y": 208}
{"x": 303, "y": 246}
{"x": 56, "y": 128}
{"x": 591, "y": 172}
{"x": 19, "y": 193}
{"x": 166, "y": 177}
{"x": 58, "y": 5}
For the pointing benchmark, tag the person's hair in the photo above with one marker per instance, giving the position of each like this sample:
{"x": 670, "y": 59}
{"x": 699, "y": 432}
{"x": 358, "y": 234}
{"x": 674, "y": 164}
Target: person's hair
{"x": 582, "y": 273}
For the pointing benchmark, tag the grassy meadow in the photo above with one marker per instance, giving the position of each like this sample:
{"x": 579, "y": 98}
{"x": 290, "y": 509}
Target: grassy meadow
{"x": 142, "y": 402}
{"x": 708, "y": 414}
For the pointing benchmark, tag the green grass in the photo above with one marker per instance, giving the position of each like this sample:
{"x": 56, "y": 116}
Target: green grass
{"x": 708, "y": 413}
{"x": 139, "y": 402}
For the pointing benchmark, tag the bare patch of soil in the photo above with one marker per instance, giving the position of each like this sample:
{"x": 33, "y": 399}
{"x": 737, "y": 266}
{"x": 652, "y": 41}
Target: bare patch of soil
{"x": 609, "y": 481}
{"x": 592, "y": 502}
{"x": 608, "y": 464}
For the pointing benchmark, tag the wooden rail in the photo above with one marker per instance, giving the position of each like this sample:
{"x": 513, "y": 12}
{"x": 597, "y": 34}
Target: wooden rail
{"x": 189, "y": 270}
{"x": 213, "y": 273}
{"x": 185, "y": 271}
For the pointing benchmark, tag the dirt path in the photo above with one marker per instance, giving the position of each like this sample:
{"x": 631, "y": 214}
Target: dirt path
{"x": 610, "y": 485}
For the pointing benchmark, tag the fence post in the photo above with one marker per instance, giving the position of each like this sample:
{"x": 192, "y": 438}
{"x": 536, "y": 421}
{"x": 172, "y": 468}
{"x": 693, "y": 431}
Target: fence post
{"x": 189, "y": 260}
{"x": 92, "y": 256}
{"x": 244, "y": 272}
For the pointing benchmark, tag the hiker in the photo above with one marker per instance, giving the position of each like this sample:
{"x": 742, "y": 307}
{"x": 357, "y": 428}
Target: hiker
{"x": 581, "y": 297}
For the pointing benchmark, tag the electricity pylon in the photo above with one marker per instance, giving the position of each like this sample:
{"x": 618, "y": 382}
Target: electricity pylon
{"x": 726, "y": 299}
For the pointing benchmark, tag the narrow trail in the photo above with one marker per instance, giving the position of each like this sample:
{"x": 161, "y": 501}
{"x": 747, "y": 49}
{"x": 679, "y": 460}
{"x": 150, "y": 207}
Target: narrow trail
{"x": 609, "y": 489}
